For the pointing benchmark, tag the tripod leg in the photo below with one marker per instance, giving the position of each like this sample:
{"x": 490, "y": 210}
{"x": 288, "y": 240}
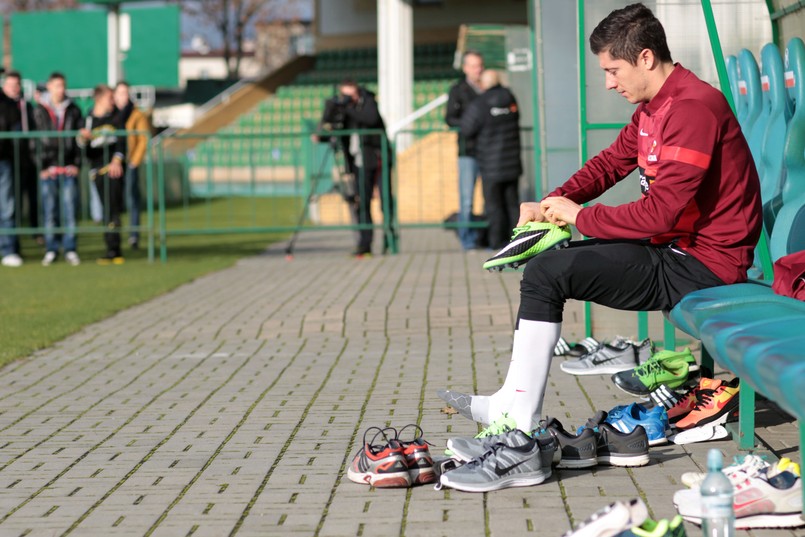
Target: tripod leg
{"x": 313, "y": 187}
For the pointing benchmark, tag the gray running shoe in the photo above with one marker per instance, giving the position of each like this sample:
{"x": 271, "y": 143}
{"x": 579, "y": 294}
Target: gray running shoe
{"x": 614, "y": 357}
{"x": 517, "y": 463}
{"x": 615, "y": 448}
{"x": 468, "y": 448}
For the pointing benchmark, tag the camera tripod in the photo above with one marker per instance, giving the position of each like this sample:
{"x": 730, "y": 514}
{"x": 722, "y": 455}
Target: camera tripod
{"x": 344, "y": 185}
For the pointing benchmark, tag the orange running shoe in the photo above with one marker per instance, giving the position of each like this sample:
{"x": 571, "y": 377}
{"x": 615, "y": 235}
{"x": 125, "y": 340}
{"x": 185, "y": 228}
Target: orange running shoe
{"x": 713, "y": 405}
{"x": 687, "y": 403}
{"x": 380, "y": 465}
{"x": 417, "y": 457}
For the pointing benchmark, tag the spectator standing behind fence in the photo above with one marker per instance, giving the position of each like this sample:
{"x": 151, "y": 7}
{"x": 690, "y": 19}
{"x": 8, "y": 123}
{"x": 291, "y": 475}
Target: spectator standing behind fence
{"x": 495, "y": 122}
{"x": 9, "y": 244}
{"x": 24, "y": 150}
{"x": 133, "y": 120}
{"x": 58, "y": 160}
{"x": 106, "y": 152}
{"x": 461, "y": 95}
{"x": 355, "y": 107}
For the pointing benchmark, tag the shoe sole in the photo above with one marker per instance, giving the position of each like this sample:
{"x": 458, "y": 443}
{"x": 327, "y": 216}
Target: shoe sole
{"x": 605, "y": 370}
{"x": 521, "y": 480}
{"x": 457, "y": 453}
{"x": 395, "y": 480}
{"x": 577, "y": 464}
{"x": 625, "y": 461}
{"x": 792, "y": 520}
{"x": 508, "y": 262}
{"x": 422, "y": 476}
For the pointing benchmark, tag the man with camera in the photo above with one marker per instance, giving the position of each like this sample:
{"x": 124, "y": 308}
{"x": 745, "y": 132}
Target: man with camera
{"x": 352, "y": 108}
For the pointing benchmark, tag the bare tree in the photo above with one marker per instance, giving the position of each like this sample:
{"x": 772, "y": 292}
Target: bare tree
{"x": 231, "y": 18}
{"x": 8, "y": 7}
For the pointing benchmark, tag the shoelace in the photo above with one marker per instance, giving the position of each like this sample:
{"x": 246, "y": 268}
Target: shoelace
{"x": 418, "y": 434}
{"x": 497, "y": 427}
{"x": 375, "y": 448}
{"x": 492, "y": 451}
{"x": 652, "y": 366}
{"x": 703, "y": 398}
{"x": 517, "y": 230}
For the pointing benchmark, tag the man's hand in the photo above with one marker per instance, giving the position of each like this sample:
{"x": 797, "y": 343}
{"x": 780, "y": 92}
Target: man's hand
{"x": 115, "y": 169}
{"x": 71, "y": 171}
{"x": 560, "y": 210}
{"x": 46, "y": 173}
{"x": 84, "y": 134}
{"x": 530, "y": 212}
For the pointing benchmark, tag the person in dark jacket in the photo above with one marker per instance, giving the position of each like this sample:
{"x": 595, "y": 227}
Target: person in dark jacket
{"x": 106, "y": 153}
{"x": 355, "y": 107}
{"x": 494, "y": 121}
{"x": 9, "y": 244}
{"x": 59, "y": 160}
{"x": 24, "y": 148}
{"x": 461, "y": 95}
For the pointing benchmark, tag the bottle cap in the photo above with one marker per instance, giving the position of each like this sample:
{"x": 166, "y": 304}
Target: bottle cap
{"x": 714, "y": 460}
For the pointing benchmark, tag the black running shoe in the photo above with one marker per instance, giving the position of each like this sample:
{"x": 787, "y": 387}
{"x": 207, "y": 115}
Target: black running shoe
{"x": 575, "y": 451}
{"x": 615, "y": 448}
{"x": 528, "y": 241}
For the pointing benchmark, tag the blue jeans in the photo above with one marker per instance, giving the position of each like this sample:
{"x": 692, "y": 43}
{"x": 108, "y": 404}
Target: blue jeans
{"x": 95, "y": 204}
{"x": 133, "y": 200}
{"x": 59, "y": 201}
{"x": 467, "y": 176}
{"x": 8, "y": 243}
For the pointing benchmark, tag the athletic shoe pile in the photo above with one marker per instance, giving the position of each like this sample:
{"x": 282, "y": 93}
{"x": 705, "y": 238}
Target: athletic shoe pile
{"x": 626, "y": 418}
{"x": 598, "y": 443}
{"x": 510, "y": 459}
{"x": 627, "y": 519}
{"x": 764, "y": 497}
{"x": 748, "y": 465}
{"x": 528, "y": 241}
{"x": 502, "y": 425}
{"x": 700, "y": 415}
{"x": 394, "y": 462}
{"x": 619, "y": 355}
{"x": 668, "y": 368}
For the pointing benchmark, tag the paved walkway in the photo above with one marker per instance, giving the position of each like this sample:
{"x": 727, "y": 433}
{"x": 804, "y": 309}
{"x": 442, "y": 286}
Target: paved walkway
{"x": 232, "y": 405}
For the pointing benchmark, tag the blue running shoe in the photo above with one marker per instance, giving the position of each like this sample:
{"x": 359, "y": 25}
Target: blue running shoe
{"x": 625, "y": 418}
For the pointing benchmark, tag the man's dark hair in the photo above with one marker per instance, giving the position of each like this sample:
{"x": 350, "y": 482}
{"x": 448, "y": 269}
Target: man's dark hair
{"x": 471, "y": 53}
{"x": 100, "y": 89}
{"x": 54, "y": 75}
{"x": 348, "y": 82}
{"x": 626, "y": 32}
{"x": 122, "y": 83}
{"x": 14, "y": 74}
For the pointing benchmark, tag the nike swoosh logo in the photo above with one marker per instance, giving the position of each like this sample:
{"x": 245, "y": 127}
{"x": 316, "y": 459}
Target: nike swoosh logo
{"x": 643, "y": 133}
{"x": 511, "y": 245}
{"x": 502, "y": 471}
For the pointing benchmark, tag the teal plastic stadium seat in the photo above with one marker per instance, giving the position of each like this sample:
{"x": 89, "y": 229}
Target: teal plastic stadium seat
{"x": 788, "y": 234}
{"x": 771, "y": 152}
{"x": 738, "y": 97}
{"x": 766, "y": 356}
{"x": 684, "y": 317}
{"x": 749, "y": 83}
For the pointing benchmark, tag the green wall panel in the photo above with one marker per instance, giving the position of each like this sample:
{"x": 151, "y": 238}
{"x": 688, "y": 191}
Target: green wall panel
{"x": 154, "y": 56}
{"x": 73, "y": 42}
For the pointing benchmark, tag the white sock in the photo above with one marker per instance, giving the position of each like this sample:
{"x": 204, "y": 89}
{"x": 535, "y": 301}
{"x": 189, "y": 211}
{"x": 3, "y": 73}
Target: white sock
{"x": 532, "y": 351}
{"x": 532, "y": 362}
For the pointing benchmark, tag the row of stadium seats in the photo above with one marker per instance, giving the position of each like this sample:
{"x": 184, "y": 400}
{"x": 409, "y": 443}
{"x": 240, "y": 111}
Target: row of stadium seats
{"x": 747, "y": 328}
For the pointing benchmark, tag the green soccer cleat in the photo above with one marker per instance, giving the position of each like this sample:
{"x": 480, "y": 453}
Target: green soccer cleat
{"x": 528, "y": 241}
{"x": 642, "y": 380}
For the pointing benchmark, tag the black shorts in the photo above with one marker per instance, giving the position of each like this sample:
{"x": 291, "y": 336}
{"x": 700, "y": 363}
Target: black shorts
{"x": 625, "y": 275}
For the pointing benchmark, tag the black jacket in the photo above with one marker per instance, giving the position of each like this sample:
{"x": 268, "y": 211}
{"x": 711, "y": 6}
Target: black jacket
{"x": 104, "y": 144}
{"x": 9, "y": 117}
{"x": 25, "y": 123}
{"x": 362, "y": 114}
{"x": 459, "y": 99}
{"x": 46, "y": 120}
{"x": 494, "y": 119}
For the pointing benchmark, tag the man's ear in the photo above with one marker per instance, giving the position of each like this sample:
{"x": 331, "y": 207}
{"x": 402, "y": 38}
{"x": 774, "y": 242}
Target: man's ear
{"x": 647, "y": 59}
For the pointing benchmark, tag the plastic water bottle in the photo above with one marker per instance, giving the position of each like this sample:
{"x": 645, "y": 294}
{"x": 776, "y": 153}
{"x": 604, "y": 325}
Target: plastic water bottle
{"x": 718, "y": 517}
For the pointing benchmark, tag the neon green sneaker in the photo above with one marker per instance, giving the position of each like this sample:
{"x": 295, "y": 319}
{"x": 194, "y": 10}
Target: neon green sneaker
{"x": 528, "y": 241}
{"x": 659, "y": 528}
{"x": 644, "y": 379}
{"x": 501, "y": 425}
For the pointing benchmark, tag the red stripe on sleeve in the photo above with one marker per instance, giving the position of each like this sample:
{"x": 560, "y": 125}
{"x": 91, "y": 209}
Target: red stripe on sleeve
{"x": 686, "y": 156}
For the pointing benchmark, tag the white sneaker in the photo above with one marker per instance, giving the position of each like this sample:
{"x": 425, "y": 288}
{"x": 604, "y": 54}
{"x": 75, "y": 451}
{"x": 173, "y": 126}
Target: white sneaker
{"x": 12, "y": 260}
{"x": 72, "y": 258}
{"x": 49, "y": 258}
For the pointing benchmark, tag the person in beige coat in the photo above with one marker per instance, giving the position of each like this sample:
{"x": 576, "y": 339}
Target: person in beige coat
{"x": 137, "y": 124}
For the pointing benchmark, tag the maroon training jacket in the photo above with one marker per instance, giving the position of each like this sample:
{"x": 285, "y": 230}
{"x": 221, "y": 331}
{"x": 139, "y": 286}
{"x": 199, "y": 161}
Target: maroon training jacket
{"x": 698, "y": 180}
